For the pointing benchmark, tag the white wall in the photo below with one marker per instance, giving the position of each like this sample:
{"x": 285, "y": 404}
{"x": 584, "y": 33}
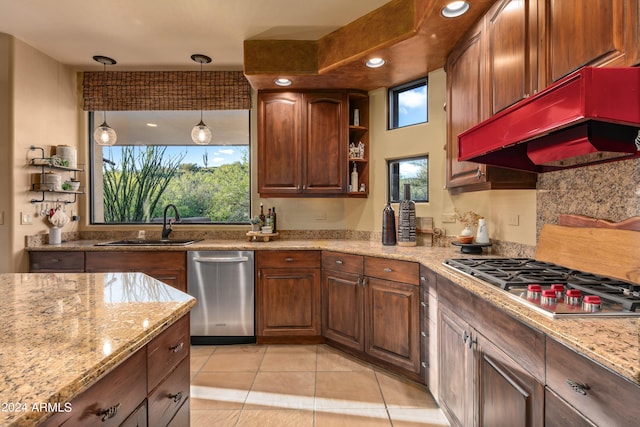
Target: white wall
{"x": 44, "y": 109}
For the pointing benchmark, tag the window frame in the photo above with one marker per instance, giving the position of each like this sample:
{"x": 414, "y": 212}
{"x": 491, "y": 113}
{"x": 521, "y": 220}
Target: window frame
{"x": 92, "y": 123}
{"x": 393, "y": 104}
{"x": 393, "y": 177}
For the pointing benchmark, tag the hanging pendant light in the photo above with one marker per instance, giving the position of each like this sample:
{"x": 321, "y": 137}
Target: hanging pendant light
{"x": 201, "y": 134}
{"x": 104, "y": 134}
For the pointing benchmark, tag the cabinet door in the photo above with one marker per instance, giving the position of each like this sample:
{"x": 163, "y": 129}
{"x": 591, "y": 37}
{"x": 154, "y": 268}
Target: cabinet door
{"x": 325, "y": 155}
{"x": 456, "y": 369}
{"x": 594, "y": 32}
{"x": 288, "y": 302}
{"x": 465, "y": 84}
{"x": 512, "y": 37}
{"x": 393, "y": 323}
{"x": 558, "y": 413}
{"x": 343, "y": 305}
{"x": 508, "y": 395}
{"x": 168, "y": 267}
{"x": 280, "y": 143}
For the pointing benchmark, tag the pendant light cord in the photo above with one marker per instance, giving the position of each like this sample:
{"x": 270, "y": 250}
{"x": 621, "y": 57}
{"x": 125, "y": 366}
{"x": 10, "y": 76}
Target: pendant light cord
{"x": 104, "y": 93}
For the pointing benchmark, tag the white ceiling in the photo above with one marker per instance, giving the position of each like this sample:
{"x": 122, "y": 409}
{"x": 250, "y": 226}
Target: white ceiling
{"x": 163, "y": 34}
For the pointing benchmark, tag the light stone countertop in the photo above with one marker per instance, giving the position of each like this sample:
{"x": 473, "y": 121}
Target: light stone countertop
{"x": 612, "y": 342}
{"x": 61, "y": 332}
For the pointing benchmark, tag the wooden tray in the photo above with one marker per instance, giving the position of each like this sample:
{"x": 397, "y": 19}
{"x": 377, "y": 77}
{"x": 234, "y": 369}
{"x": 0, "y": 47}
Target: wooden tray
{"x": 259, "y": 235}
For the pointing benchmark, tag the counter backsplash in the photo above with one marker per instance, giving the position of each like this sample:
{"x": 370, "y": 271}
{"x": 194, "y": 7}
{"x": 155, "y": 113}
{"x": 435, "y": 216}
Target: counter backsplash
{"x": 500, "y": 248}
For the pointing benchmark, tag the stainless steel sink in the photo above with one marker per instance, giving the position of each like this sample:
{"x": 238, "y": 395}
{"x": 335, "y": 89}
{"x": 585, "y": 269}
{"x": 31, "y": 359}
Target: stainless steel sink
{"x": 146, "y": 242}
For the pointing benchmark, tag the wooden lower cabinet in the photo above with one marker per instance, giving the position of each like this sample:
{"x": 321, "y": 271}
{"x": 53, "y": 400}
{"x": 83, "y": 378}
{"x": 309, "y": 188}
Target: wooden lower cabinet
{"x": 125, "y": 397}
{"x": 368, "y": 313}
{"x": 56, "y": 262}
{"x": 288, "y": 296}
{"x": 580, "y": 389}
{"x": 481, "y": 382}
{"x": 168, "y": 267}
{"x": 392, "y": 323}
{"x": 343, "y": 308}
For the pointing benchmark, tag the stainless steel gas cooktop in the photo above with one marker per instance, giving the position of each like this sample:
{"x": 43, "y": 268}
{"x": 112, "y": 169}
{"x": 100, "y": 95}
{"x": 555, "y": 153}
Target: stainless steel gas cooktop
{"x": 553, "y": 290}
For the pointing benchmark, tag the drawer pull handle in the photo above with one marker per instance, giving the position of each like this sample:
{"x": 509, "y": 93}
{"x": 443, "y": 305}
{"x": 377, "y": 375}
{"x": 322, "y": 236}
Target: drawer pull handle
{"x": 176, "y": 397}
{"x": 422, "y": 303}
{"x": 289, "y": 259}
{"x": 578, "y": 388}
{"x": 364, "y": 282}
{"x": 109, "y": 413}
{"x": 423, "y": 333}
{"x": 177, "y": 348}
{"x": 339, "y": 262}
{"x": 387, "y": 270}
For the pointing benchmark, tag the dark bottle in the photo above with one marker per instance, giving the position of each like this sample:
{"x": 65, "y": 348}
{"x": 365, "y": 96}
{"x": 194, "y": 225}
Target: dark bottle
{"x": 273, "y": 218}
{"x": 388, "y": 226}
{"x": 261, "y": 216}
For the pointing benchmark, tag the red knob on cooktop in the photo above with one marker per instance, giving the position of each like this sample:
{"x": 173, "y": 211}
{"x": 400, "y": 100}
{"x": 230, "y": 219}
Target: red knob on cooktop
{"x": 533, "y": 292}
{"x": 591, "y": 303}
{"x": 559, "y": 290}
{"x": 548, "y": 297}
{"x": 574, "y": 297}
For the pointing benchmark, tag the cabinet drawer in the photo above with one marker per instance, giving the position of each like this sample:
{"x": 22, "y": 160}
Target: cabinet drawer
{"x": 66, "y": 261}
{"x": 170, "y": 395}
{"x": 390, "y": 269}
{"x": 112, "y": 399}
{"x": 609, "y": 399}
{"x": 288, "y": 259}
{"x": 347, "y": 263}
{"x": 167, "y": 350}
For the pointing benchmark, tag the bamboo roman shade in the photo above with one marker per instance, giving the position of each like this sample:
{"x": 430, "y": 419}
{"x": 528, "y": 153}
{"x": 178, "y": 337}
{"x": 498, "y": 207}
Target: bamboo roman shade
{"x": 165, "y": 90}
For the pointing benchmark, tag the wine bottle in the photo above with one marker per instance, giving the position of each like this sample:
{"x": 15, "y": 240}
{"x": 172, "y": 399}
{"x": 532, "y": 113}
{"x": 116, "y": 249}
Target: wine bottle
{"x": 261, "y": 216}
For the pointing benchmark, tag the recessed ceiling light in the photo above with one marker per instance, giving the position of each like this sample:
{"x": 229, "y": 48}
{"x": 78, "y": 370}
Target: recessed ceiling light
{"x": 283, "y": 82}
{"x": 374, "y": 62}
{"x": 152, "y": 125}
{"x": 455, "y": 9}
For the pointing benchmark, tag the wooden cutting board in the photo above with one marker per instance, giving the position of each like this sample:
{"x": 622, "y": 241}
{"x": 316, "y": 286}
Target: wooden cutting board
{"x": 609, "y": 252}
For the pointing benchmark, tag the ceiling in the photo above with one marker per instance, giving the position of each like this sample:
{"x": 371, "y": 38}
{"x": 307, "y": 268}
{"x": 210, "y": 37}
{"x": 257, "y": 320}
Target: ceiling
{"x": 316, "y": 43}
{"x": 163, "y": 34}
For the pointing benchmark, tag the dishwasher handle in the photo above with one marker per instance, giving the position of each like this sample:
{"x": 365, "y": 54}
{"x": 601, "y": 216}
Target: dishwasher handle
{"x": 215, "y": 260}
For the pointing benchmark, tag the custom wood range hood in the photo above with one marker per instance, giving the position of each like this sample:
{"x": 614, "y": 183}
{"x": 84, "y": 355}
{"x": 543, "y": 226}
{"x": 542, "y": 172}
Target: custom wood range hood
{"x": 591, "y": 116}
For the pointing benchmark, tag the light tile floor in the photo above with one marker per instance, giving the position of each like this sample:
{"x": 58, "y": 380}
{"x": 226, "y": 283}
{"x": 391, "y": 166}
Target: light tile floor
{"x": 301, "y": 386}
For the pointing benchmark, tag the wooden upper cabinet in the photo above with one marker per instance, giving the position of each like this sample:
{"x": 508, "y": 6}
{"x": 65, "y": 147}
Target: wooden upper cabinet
{"x": 279, "y": 142}
{"x": 593, "y": 32}
{"x": 302, "y": 143}
{"x": 512, "y": 56}
{"x": 465, "y": 88}
{"x": 326, "y": 143}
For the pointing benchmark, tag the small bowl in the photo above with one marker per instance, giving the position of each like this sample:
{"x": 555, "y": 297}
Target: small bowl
{"x": 75, "y": 185}
{"x": 464, "y": 239}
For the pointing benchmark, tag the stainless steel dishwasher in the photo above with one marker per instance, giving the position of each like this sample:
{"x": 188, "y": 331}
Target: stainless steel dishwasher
{"x": 223, "y": 284}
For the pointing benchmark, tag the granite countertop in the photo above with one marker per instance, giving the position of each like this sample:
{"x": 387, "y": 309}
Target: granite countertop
{"x": 612, "y": 342}
{"x": 63, "y": 332}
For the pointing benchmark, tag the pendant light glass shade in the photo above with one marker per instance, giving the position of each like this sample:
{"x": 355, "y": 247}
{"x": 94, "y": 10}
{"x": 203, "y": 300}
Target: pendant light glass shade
{"x": 201, "y": 134}
{"x": 104, "y": 134}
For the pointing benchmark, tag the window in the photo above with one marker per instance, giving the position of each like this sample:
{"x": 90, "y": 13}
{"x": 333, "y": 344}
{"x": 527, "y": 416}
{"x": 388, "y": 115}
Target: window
{"x": 154, "y": 163}
{"x": 412, "y": 171}
{"x": 408, "y": 104}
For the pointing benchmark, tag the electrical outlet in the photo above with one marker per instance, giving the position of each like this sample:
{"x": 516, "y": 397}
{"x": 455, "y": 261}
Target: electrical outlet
{"x": 26, "y": 218}
{"x": 449, "y": 217}
{"x": 513, "y": 219}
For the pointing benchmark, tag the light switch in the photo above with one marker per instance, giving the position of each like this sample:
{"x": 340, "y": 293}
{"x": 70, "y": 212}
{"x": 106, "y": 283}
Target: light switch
{"x": 26, "y": 218}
